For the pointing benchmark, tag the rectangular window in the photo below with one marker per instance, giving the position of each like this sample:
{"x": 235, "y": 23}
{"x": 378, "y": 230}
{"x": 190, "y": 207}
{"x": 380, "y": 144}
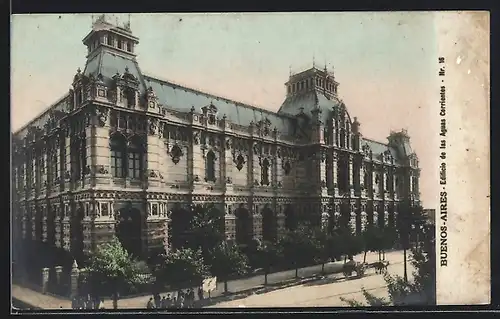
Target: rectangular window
{"x": 155, "y": 209}
{"x": 117, "y": 163}
{"x": 134, "y": 165}
{"x": 104, "y": 209}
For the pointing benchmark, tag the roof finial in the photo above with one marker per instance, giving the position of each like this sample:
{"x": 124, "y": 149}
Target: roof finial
{"x": 290, "y": 70}
{"x": 314, "y": 61}
{"x": 127, "y": 26}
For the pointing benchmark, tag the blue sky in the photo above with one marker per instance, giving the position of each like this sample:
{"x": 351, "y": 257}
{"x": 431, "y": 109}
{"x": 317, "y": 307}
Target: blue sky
{"x": 385, "y": 62}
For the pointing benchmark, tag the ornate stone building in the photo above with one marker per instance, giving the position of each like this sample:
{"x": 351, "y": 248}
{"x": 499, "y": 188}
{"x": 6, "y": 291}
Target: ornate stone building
{"x": 124, "y": 153}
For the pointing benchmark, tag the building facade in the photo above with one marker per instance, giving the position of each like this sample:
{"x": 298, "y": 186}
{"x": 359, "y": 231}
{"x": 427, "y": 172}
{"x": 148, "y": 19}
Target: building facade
{"x": 125, "y": 153}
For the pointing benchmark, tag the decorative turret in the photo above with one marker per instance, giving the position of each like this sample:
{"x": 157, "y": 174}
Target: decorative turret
{"x": 112, "y": 37}
{"x": 314, "y": 79}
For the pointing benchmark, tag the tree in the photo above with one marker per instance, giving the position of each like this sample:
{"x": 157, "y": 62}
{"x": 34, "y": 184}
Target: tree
{"x": 326, "y": 247}
{"x": 371, "y": 241}
{"x": 269, "y": 255}
{"x": 111, "y": 269}
{"x": 388, "y": 239}
{"x": 227, "y": 260}
{"x": 207, "y": 228}
{"x": 420, "y": 291}
{"x": 350, "y": 244}
{"x": 182, "y": 268}
{"x": 299, "y": 247}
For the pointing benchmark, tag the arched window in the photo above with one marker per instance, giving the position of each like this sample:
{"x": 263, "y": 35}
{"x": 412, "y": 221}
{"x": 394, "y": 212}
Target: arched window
{"x": 134, "y": 160}
{"x": 210, "y": 167}
{"x": 118, "y": 149}
{"x": 265, "y": 172}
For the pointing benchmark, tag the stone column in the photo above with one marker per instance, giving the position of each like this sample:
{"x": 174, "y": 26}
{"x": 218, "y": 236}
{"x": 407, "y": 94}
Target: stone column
{"x": 362, "y": 178}
{"x": 155, "y": 222}
{"x": 257, "y": 224}
{"x": 43, "y": 169}
{"x": 386, "y": 216}
{"x": 364, "y": 220}
{"x": 59, "y": 174}
{"x": 89, "y": 166}
{"x": 45, "y": 280}
{"x": 325, "y": 217}
{"x": 351, "y": 179}
{"x": 102, "y": 156}
{"x": 24, "y": 220}
{"x": 67, "y": 166}
{"x": 87, "y": 222}
{"x": 280, "y": 221}
{"x": 66, "y": 229}
{"x": 59, "y": 270}
{"x": 256, "y": 169}
{"x": 44, "y": 209}
{"x": 322, "y": 171}
{"x": 230, "y": 223}
{"x": 395, "y": 185}
{"x": 58, "y": 227}
{"x": 75, "y": 273}
{"x": 33, "y": 223}
{"x": 166, "y": 222}
{"x": 335, "y": 173}
{"x": 153, "y": 154}
{"x": 375, "y": 215}
{"x": 227, "y": 162}
{"x": 375, "y": 186}
{"x": 197, "y": 159}
{"x": 352, "y": 218}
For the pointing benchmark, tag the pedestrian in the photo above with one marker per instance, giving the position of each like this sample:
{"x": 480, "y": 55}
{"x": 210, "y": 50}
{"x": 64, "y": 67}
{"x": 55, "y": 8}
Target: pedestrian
{"x": 168, "y": 302}
{"x": 175, "y": 303}
{"x": 157, "y": 300}
{"x": 163, "y": 302}
{"x": 200, "y": 293}
{"x": 181, "y": 301}
{"x": 74, "y": 303}
{"x": 150, "y": 304}
{"x": 191, "y": 297}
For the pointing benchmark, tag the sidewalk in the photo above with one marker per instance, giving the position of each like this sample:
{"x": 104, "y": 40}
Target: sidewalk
{"x": 276, "y": 280}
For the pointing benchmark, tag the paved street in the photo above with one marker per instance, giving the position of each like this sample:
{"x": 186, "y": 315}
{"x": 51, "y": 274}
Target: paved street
{"x": 325, "y": 292}
{"x": 317, "y": 293}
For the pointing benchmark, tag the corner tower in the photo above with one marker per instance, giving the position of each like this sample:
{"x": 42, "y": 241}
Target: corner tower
{"x": 106, "y": 36}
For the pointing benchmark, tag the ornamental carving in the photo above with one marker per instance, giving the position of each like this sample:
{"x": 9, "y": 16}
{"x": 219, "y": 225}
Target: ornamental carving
{"x": 153, "y": 125}
{"x": 196, "y": 137}
{"x": 256, "y": 148}
{"x": 102, "y": 116}
{"x": 229, "y": 143}
{"x": 176, "y": 154}
{"x": 161, "y": 129}
{"x": 240, "y": 162}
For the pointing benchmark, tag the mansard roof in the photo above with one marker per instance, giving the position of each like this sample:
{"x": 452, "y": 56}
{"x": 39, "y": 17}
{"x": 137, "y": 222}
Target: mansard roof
{"x": 379, "y": 148}
{"x": 181, "y": 98}
{"x": 309, "y": 101}
{"x": 61, "y": 105}
{"x": 108, "y": 64}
